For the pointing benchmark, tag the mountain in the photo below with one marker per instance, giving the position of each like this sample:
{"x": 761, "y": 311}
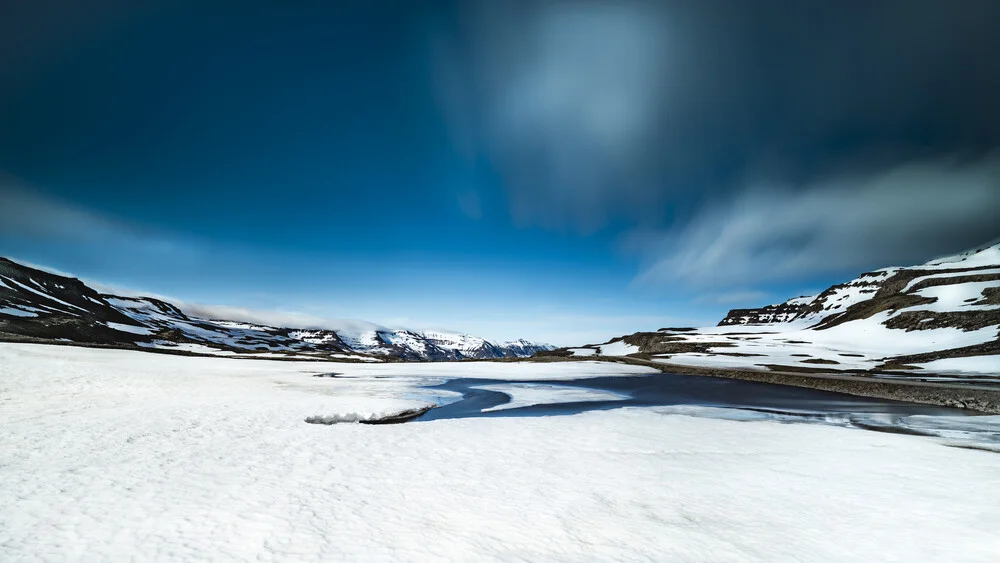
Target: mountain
{"x": 938, "y": 320}
{"x": 960, "y": 291}
{"x": 43, "y": 307}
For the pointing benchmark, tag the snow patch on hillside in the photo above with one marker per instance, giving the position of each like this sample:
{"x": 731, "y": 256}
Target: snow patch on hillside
{"x": 986, "y": 256}
{"x": 619, "y": 348}
{"x": 129, "y": 328}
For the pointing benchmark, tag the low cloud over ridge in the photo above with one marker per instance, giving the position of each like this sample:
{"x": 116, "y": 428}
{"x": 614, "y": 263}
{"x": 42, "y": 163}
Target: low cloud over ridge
{"x": 771, "y": 233}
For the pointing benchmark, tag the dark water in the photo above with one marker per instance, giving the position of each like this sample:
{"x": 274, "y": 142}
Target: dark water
{"x": 668, "y": 389}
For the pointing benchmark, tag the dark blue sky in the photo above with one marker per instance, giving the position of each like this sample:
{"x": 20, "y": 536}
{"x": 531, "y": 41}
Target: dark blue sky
{"x": 557, "y": 170}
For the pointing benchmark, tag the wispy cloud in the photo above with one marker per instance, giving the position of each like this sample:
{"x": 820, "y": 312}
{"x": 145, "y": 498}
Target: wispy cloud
{"x": 268, "y": 317}
{"x": 290, "y": 319}
{"x": 639, "y": 112}
{"x": 845, "y": 224}
{"x": 563, "y": 96}
{"x": 31, "y": 215}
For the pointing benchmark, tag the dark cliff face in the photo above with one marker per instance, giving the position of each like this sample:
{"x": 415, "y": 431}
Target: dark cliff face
{"x": 33, "y": 290}
{"x": 39, "y": 305}
{"x": 780, "y": 313}
{"x": 831, "y": 300}
{"x": 42, "y": 305}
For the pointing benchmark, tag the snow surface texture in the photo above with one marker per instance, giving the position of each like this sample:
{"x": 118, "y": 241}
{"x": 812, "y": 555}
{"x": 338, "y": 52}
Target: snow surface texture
{"x": 110, "y": 455}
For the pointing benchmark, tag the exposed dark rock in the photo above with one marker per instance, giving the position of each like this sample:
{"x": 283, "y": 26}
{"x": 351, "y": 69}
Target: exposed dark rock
{"x": 763, "y": 315}
{"x": 952, "y": 280}
{"x": 656, "y": 343}
{"x": 557, "y": 353}
{"x": 927, "y": 320}
{"x": 871, "y": 307}
{"x": 991, "y": 296}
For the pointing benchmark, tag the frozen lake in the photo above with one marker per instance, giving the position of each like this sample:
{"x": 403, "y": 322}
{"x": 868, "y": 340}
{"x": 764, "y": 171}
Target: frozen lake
{"x": 482, "y": 397}
{"x": 489, "y": 397}
{"x": 707, "y": 397}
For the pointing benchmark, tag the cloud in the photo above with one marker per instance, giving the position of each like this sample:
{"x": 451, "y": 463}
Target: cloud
{"x": 562, "y": 95}
{"x": 850, "y": 223}
{"x": 29, "y": 215}
{"x": 268, "y": 317}
{"x": 604, "y": 112}
{"x": 550, "y": 328}
{"x": 290, "y": 319}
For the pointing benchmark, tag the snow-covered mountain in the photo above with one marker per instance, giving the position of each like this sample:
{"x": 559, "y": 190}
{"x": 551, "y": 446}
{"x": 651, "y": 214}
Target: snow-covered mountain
{"x": 961, "y": 290}
{"x": 40, "y": 306}
{"x": 938, "y": 319}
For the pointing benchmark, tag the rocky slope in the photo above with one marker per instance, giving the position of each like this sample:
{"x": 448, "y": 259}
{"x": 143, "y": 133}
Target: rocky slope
{"x": 938, "y": 320}
{"x": 40, "y": 306}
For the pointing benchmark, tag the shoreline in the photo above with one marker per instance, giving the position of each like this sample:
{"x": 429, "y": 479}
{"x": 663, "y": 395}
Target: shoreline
{"x": 972, "y": 397}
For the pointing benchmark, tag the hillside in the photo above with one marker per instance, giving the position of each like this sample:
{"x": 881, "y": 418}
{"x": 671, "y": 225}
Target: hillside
{"x": 935, "y": 321}
{"x": 43, "y": 307}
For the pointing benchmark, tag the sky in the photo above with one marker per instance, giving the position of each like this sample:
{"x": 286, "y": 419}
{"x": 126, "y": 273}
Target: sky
{"x": 564, "y": 171}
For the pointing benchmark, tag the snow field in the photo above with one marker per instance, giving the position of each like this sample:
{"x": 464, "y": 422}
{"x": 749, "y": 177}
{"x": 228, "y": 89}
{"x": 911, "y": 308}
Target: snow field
{"x": 110, "y": 455}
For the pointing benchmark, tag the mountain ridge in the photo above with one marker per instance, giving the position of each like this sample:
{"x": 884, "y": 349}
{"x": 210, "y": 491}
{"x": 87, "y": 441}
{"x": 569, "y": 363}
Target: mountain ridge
{"x": 48, "y": 307}
{"x": 934, "y": 321}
